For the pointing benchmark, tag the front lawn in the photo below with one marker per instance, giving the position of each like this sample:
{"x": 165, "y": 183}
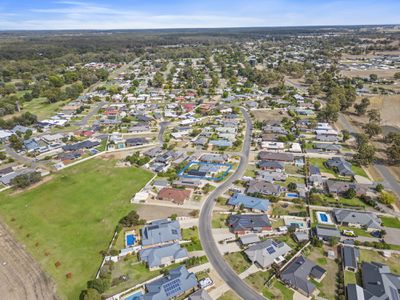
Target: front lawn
{"x": 238, "y": 261}
{"x": 375, "y": 256}
{"x": 390, "y": 222}
{"x": 191, "y": 234}
{"x": 72, "y": 218}
{"x": 219, "y": 220}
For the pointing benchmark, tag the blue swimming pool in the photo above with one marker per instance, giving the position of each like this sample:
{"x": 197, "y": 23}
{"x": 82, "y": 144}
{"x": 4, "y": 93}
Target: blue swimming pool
{"x": 130, "y": 240}
{"x": 324, "y": 217}
{"x": 134, "y": 296}
{"x": 292, "y": 195}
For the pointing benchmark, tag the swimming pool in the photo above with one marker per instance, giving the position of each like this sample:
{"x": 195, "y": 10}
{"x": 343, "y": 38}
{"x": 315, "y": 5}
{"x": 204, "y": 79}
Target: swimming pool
{"x": 324, "y": 218}
{"x": 292, "y": 195}
{"x": 130, "y": 240}
{"x": 134, "y": 296}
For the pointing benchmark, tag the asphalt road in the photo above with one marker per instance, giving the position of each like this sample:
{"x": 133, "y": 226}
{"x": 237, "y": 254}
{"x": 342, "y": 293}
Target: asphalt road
{"x": 206, "y": 237}
{"x": 93, "y": 112}
{"x": 385, "y": 172}
{"x": 163, "y": 126}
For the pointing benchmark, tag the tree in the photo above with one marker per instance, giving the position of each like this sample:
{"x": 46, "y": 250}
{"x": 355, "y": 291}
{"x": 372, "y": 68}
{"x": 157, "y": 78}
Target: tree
{"x": 16, "y": 143}
{"x": 91, "y": 294}
{"x": 25, "y": 180}
{"x": 374, "y": 116}
{"x": 56, "y": 81}
{"x": 379, "y": 187}
{"x": 372, "y": 129}
{"x": 345, "y": 134}
{"x": 132, "y": 219}
{"x": 158, "y": 80}
{"x": 373, "y": 77}
{"x": 387, "y": 198}
{"x": 397, "y": 75}
{"x": 317, "y": 105}
{"x": 99, "y": 284}
{"x": 361, "y": 108}
{"x": 350, "y": 193}
{"x": 292, "y": 187}
{"x": 365, "y": 154}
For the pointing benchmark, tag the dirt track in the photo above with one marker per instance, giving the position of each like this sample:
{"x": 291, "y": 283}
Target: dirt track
{"x": 21, "y": 278}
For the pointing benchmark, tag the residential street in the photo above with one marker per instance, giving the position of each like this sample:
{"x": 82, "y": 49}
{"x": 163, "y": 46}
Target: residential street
{"x": 206, "y": 237}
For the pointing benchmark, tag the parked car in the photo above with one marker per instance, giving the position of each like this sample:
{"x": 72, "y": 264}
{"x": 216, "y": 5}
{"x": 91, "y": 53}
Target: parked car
{"x": 349, "y": 233}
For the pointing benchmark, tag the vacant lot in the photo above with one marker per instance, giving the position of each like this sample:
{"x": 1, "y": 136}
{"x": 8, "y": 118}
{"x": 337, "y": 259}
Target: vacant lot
{"x": 72, "y": 217}
{"x": 267, "y": 115}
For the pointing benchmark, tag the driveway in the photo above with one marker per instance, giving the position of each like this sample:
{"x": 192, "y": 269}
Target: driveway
{"x": 392, "y": 236}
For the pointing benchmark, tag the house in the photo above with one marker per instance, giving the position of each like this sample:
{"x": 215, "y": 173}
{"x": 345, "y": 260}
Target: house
{"x": 358, "y": 219}
{"x": 200, "y": 294}
{"x": 272, "y": 176}
{"x": 5, "y": 134}
{"x": 221, "y": 143}
{"x": 263, "y": 187}
{"x": 336, "y": 187}
{"x": 315, "y": 178}
{"x": 256, "y": 204}
{"x": 267, "y": 252}
{"x": 300, "y": 236}
{"x": 350, "y": 257}
{"x": 132, "y": 142}
{"x": 271, "y": 165}
{"x": 273, "y": 146}
{"x": 189, "y": 183}
{"x": 326, "y": 233}
{"x": 326, "y": 147}
{"x": 160, "y": 231}
{"x": 214, "y": 158}
{"x": 163, "y": 256}
{"x": 160, "y": 184}
{"x": 340, "y": 165}
{"x": 175, "y": 283}
{"x": 276, "y": 156}
{"x": 378, "y": 283}
{"x": 81, "y": 145}
{"x": 177, "y": 196}
{"x": 31, "y": 145}
{"x": 249, "y": 239}
{"x": 297, "y": 274}
{"x": 242, "y": 224}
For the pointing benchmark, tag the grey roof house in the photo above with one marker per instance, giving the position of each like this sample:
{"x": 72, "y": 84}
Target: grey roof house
{"x": 326, "y": 233}
{"x": 242, "y": 224}
{"x": 340, "y": 165}
{"x": 296, "y": 275}
{"x": 160, "y": 231}
{"x": 162, "y": 256}
{"x": 267, "y": 252}
{"x": 354, "y": 218}
{"x": 263, "y": 187}
{"x": 378, "y": 284}
{"x": 177, "y": 282}
{"x": 350, "y": 256}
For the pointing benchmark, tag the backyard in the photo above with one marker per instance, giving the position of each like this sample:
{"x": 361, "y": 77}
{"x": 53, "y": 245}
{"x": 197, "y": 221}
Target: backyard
{"x": 71, "y": 218}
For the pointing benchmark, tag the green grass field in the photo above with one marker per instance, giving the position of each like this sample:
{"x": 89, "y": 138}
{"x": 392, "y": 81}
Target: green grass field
{"x": 41, "y": 108}
{"x": 390, "y": 222}
{"x": 72, "y": 217}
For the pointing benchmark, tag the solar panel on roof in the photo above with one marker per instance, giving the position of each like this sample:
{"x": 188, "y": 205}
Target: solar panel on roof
{"x": 270, "y": 250}
{"x": 172, "y": 287}
{"x": 274, "y": 243}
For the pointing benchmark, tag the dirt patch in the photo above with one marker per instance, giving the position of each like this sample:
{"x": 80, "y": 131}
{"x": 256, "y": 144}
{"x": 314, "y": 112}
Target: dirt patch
{"x": 389, "y": 107}
{"x": 152, "y": 212}
{"x": 21, "y": 277}
{"x": 387, "y": 74}
{"x": 267, "y": 115}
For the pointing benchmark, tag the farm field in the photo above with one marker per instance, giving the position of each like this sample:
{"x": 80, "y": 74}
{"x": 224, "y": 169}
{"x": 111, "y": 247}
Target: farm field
{"x": 71, "y": 218}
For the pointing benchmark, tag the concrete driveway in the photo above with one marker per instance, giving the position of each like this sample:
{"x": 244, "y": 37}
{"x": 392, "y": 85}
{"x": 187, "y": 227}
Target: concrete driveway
{"x": 392, "y": 236}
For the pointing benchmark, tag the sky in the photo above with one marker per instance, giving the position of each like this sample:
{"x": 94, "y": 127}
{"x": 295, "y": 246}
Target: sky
{"x": 150, "y": 14}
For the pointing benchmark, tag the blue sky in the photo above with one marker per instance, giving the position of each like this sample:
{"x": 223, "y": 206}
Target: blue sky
{"x": 133, "y": 14}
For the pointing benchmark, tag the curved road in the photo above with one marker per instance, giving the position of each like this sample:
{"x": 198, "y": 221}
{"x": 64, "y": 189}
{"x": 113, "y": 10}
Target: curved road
{"x": 206, "y": 237}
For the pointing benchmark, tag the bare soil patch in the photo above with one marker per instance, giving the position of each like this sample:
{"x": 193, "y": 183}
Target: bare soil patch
{"x": 152, "y": 212}
{"x": 21, "y": 277}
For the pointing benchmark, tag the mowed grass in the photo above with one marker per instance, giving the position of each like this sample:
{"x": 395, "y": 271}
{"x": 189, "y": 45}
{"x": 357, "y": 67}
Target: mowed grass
{"x": 72, "y": 218}
{"x": 41, "y": 108}
{"x": 390, "y": 222}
